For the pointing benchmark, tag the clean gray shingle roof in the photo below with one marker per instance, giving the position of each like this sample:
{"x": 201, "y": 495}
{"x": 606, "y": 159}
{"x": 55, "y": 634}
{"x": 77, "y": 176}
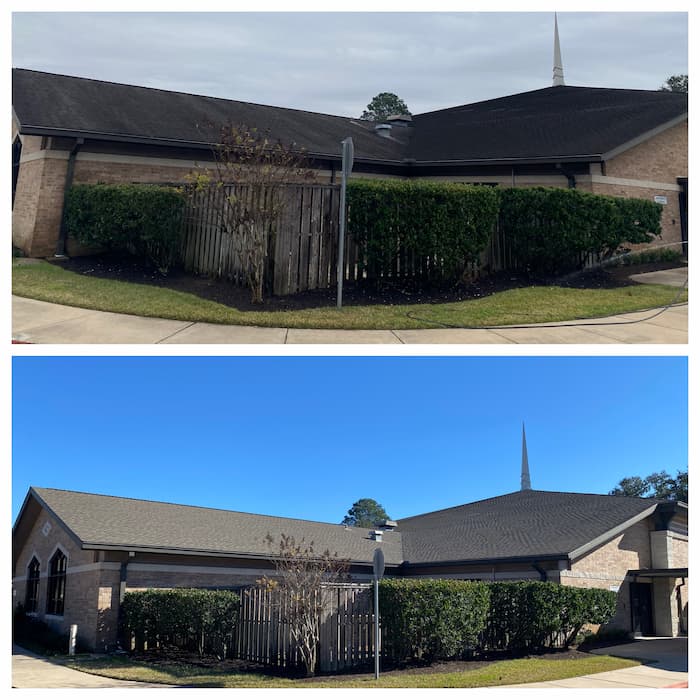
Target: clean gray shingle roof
{"x": 129, "y": 523}
{"x": 554, "y": 123}
{"x": 520, "y": 524}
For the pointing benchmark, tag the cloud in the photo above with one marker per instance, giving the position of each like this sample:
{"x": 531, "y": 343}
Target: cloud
{"x": 336, "y": 62}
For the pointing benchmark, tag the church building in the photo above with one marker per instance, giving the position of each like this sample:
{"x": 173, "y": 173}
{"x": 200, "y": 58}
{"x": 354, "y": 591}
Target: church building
{"x": 75, "y": 554}
{"x": 68, "y": 129}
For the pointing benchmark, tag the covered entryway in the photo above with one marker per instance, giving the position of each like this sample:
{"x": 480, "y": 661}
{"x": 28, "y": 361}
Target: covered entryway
{"x": 659, "y": 602}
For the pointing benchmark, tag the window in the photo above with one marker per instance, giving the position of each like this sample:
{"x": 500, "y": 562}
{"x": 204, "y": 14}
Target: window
{"x": 16, "y": 153}
{"x": 57, "y": 584}
{"x": 31, "y": 598}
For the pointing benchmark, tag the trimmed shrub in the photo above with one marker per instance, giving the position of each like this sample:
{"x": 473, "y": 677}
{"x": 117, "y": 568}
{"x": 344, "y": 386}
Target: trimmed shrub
{"x": 553, "y": 230}
{"x": 427, "y": 229}
{"x": 145, "y": 220}
{"x": 186, "y": 618}
{"x": 532, "y": 615}
{"x": 431, "y": 619}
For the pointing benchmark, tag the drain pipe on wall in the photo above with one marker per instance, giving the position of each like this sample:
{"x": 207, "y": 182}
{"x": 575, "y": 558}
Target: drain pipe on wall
{"x": 568, "y": 175}
{"x": 62, "y": 234}
{"x": 540, "y": 571}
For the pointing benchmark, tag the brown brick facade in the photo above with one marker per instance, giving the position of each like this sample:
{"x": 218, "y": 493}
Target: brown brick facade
{"x": 40, "y": 187}
{"x": 83, "y": 579}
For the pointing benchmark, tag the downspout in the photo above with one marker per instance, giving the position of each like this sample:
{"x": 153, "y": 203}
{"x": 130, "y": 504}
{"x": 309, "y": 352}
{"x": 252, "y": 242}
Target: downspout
{"x": 540, "y": 571}
{"x": 63, "y": 234}
{"x": 568, "y": 175}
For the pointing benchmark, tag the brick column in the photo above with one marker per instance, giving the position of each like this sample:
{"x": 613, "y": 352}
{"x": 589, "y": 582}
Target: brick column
{"x": 36, "y": 215}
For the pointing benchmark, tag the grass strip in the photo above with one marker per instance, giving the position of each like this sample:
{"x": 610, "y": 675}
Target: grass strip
{"x": 510, "y": 672}
{"x": 538, "y": 304}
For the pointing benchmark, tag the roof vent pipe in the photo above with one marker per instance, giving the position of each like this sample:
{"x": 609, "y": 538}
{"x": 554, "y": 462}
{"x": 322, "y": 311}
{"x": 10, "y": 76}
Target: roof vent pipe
{"x": 383, "y": 130}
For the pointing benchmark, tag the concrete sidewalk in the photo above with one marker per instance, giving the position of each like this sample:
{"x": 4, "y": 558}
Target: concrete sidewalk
{"x": 41, "y": 322}
{"x": 664, "y": 664}
{"x": 32, "y": 671}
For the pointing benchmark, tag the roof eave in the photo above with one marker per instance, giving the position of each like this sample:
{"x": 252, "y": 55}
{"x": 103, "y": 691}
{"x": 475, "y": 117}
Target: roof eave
{"x": 613, "y": 532}
{"x": 35, "y": 130}
{"x": 580, "y": 158}
{"x": 520, "y": 559}
{"x": 200, "y": 552}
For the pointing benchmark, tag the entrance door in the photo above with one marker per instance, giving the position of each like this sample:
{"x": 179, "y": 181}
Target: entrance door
{"x": 642, "y": 611}
{"x": 683, "y": 204}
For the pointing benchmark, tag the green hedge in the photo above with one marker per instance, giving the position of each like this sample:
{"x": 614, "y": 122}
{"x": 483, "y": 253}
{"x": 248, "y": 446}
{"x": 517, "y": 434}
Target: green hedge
{"x": 426, "y": 229}
{"x": 146, "y": 220}
{"x": 531, "y": 615}
{"x": 442, "y": 619}
{"x": 188, "y": 618}
{"x": 431, "y": 619}
{"x": 552, "y": 230}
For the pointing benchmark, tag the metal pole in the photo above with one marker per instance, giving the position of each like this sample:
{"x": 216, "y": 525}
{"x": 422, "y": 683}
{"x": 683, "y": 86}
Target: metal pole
{"x": 72, "y": 639}
{"x": 341, "y": 239}
{"x": 376, "y": 628}
{"x": 348, "y": 158}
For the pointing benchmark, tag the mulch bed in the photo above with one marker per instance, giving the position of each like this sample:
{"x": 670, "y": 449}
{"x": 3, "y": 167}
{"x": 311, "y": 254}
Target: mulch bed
{"x": 129, "y": 269}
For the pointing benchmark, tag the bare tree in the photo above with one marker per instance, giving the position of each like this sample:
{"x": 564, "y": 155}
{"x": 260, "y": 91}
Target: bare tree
{"x": 251, "y": 171}
{"x": 302, "y": 590}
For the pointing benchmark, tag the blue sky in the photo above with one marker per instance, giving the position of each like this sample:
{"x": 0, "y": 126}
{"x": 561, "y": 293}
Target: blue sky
{"x": 305, "y": 437}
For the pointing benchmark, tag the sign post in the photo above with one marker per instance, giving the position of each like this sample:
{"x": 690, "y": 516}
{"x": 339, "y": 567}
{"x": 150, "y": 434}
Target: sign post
{"x": 348, "y": 157}
{"x": 378, "y": 573}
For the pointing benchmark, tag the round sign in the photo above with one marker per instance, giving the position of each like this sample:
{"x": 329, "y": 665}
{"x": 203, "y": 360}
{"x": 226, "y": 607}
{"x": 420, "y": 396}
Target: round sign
{"x": 378, "y": 563}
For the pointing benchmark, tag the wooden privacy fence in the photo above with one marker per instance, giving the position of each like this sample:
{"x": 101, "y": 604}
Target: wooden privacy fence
{"x": 301, "y": 244}
{"x": 346, "y": 628}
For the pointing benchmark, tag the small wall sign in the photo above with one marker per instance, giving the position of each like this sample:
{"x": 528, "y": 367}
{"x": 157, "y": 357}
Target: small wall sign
{"x": 661, "y": 199}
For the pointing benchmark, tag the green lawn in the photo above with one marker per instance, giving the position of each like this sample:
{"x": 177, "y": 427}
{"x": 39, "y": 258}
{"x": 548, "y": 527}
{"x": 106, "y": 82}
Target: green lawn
{"x": 529, "y": 670}
{"x": 46, "y": 282}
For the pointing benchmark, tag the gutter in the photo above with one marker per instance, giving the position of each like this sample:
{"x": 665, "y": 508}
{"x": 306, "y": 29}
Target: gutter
{"x": 406, "y": 162}
{"x": 63, "y": 233}
{"x": 203, "y": 553}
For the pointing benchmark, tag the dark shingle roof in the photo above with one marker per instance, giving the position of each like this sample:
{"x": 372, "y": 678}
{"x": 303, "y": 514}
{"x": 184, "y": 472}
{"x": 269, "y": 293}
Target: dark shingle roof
{"x": 520, "y": 524}
{"x": 128, "y": 523}
{"x": 556, "y": 123}
{"x": 71, "y": 104}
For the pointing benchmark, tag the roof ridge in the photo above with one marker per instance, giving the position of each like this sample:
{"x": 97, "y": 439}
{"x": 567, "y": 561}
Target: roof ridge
{"x": 39, "y": 489}
{"x": 189, "y": 94}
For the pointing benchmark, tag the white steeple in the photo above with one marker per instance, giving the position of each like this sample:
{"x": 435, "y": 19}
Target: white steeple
{"x": 525, "y": 468}
{"x": 558, "y": 73}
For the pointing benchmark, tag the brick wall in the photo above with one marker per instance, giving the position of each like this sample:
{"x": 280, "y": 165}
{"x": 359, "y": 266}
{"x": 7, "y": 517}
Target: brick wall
{"x": 82, "y": 574}
{"x": 607, "y": 566}
{"x": 662, "y": 158}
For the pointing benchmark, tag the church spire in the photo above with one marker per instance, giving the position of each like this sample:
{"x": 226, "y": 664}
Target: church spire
{"x": 558, "y": 73}
{"x": 525, "y": 468}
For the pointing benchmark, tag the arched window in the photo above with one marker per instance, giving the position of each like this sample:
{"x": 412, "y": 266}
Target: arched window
{"x": 31, "y": 599}
{"x": 57, "y": 583}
